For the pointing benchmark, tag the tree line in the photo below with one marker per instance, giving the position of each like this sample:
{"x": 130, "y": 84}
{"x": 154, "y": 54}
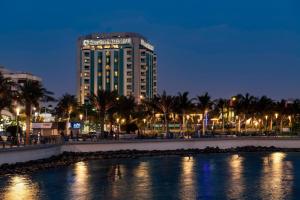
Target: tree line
{"x": 238, "y": 113}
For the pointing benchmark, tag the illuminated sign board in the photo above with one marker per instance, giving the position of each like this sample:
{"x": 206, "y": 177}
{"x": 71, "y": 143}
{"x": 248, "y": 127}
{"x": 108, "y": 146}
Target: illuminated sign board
{"x": 147, "y": 45}
{"x": 75, "y": 125}
{"x": 41, "y": 125}
{"x": 107, "y": 41}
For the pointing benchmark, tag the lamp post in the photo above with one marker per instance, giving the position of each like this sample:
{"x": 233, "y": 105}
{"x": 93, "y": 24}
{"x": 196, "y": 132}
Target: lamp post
{"x": 17, "y": 118}
{"x": 80, "y": 117}
{"x": 144, "y": 120}
{"x": 266, "y": 124}
{"x": 276, "y": 117}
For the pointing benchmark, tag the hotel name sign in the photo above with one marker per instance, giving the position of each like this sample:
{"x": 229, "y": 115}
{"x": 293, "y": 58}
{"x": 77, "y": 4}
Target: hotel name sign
{"x": 117, "y": 41}
{"x": 106, "y": 41}
{"x": 147, "y": 45}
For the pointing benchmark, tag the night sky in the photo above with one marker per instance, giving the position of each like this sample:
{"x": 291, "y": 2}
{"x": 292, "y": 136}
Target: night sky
{"x": 223, "y": 47}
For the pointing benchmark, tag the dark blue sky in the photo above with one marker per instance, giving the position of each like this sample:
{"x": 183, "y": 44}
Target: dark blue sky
{"x": 223, "y": 47}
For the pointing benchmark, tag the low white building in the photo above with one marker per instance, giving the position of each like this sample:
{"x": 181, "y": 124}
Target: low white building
{"x": 19, "y": 78}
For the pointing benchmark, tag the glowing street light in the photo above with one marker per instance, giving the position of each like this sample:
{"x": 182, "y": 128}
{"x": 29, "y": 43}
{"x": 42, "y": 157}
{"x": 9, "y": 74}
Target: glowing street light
{"x": 18, "y": 111}
{"x": 276, "y": 115}
{"x": 17, "y": 118}
{"x": 80, "y": 117}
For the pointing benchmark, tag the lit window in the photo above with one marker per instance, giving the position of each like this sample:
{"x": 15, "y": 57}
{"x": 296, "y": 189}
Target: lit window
{"x": 107, "y": 67}
{"x": 116, "y": 73}
{"x": 99, "y": 74}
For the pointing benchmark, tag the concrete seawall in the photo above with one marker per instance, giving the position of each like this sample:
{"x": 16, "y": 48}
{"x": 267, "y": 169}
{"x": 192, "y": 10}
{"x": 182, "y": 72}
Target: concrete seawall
{"x": 179, "y": 144}
{"x": 25, "y": 154}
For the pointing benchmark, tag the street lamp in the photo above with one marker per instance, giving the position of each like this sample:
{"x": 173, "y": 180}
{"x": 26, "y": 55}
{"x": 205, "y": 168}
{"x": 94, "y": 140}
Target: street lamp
{"x": 80, "y": 117}
{"x": 17, "y": 118}
{"x": 144, "y": 120}
{"x": 276, "y": 117}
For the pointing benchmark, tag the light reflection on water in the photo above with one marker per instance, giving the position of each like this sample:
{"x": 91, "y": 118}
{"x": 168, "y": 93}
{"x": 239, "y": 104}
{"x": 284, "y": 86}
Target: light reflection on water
{"x": 236, "y": 185}
{"x": 276, "y": 176}
{"x": 214, "y": 176}
{"x": 187, "y": 179}
{"x": 79, "y": 183}
{"x": 21, "y": 187}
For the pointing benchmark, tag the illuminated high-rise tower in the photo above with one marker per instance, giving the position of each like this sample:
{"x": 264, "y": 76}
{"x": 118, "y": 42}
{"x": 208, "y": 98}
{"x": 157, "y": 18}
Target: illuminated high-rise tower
{"x": 122, "y": 62}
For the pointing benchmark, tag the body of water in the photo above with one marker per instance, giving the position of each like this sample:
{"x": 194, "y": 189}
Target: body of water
{"x": 205, "y": 176}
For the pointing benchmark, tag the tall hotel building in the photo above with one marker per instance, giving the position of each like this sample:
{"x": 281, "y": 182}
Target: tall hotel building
{"x": 122, "y": 62}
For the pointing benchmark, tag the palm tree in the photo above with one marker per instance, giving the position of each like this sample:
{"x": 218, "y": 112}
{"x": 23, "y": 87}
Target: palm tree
{"x": 66, "y": 105}
{"x": 148, "y": 107}
{"x": 204, "y": 105}
{"x": 244, "y": 106}
{"x": 283, "y": 108}
{"x": 30, "y": 94}
{"x": 6, "y": 93}
{"x": 221, "y": 105}
{"x": 103, "y": 102}
{"x": 165, "y": 104}
{"x": 182, "y": 105}
{"x": 264, "y": 108}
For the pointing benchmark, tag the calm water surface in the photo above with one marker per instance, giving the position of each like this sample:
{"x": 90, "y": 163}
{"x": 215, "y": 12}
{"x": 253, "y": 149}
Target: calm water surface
{"x": 213, "y": 176}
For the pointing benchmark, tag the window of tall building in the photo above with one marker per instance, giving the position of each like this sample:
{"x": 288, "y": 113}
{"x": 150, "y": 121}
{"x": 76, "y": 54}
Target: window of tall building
{"x": 129, "y": 66}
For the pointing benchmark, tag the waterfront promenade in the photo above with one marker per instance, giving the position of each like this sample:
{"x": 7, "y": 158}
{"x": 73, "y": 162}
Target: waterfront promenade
{"x": 35, "y": 152}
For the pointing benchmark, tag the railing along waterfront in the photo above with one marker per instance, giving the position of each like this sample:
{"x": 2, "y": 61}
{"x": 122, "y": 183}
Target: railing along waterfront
{"x": 13, "y": 142}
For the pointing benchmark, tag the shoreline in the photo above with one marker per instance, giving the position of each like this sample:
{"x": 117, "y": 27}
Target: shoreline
{"x": 69, "y": 158}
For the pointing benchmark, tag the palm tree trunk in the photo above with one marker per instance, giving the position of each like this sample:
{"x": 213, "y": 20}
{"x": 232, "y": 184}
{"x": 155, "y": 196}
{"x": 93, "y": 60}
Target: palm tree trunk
{"x": 102, "y": 119}
{"x": 28, "y": 117}
{"x": 183, "y": 121}
{"x": 67, "y": 125}
{"x": 239, "y": 125}
{"x": 281, "y": 125}
{"x": 271, "y": 124}
{"x": 166, "y": 124}
{"x": 223, "y": 121}
{"x": 203, "y": 124}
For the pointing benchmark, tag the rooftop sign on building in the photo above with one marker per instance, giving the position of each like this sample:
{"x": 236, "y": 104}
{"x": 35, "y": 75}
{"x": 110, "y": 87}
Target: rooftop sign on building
{"x": 107, "y": 41}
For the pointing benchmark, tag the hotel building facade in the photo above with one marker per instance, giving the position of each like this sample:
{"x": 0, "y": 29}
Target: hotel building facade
{"x": 122, "y": 62}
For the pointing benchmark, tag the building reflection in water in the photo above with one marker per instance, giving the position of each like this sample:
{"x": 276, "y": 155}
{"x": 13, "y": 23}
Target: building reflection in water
{"x": 277, "y": 176}
{"x": 80, "y": 184}
{"x": 21, "y": 187}
{"x": 188, "y": 185}
{"x": 236, "y": 183}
